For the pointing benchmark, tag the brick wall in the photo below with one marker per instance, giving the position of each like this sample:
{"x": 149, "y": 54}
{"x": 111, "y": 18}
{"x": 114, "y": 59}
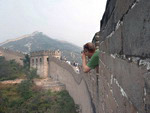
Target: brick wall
{"x": 124, "y": 78}
{"x": 75, "y": 83}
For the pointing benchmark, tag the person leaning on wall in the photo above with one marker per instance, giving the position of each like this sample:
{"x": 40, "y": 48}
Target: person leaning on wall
{"x": 90, "y": 52}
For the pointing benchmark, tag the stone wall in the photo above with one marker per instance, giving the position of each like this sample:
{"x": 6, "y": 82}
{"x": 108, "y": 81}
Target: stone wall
{"x": 12, "y": 55}
{"x": 124, "y": 78}
{"x": 85, "y": 89}
{"x": 75, "y": 83}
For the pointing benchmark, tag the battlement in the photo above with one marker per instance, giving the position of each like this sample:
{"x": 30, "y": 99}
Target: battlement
{"x": 41, "y": 53}
{"x": 56, "y": 53}
{"x": 96, "y": 39}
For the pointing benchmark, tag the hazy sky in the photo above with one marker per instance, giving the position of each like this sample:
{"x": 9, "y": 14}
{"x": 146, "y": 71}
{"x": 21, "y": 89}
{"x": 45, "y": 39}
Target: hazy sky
{"x": 75, "y": 21}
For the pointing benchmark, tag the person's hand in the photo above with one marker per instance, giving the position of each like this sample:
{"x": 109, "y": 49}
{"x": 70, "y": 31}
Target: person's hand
{"x": 83, "y": 55}
{"x": 84, "y": 63}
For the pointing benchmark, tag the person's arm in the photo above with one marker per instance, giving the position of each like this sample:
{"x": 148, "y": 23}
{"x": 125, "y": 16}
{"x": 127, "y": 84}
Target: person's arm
{"x": 84, "y": 64}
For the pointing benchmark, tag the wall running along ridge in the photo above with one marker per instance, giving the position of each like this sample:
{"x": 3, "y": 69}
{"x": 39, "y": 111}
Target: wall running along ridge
{"x": 12, "y": 55}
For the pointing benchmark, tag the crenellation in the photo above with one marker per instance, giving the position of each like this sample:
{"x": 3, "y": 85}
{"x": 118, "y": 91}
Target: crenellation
{"x": 96, "y": 39}
{"x": 56, "y": 54}
{"x": 40, "y": 53}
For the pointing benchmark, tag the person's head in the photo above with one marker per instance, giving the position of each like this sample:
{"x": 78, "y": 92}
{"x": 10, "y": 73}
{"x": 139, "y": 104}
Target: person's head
{"x": 89, "y": 49}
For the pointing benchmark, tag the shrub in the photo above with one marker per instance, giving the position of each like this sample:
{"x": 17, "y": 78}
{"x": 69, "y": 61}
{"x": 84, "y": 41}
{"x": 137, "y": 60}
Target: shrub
{"x": 24, "y": 89}
{"x": 9, "y": 70}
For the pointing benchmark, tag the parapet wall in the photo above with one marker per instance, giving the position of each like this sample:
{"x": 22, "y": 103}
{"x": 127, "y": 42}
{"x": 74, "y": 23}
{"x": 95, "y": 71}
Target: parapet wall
{"x": 12, "y": 55}
{"x": 75, "y": 83}
{"x": 124, "y": 78}
{"x": 125, "y": 28}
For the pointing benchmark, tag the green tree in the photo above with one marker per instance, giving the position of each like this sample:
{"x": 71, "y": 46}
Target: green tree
{"x": 26, "y": 62}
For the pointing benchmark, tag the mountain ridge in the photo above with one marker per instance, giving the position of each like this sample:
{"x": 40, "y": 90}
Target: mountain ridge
{"x": 19, "y": 38}
{"x": 38, "y": 41}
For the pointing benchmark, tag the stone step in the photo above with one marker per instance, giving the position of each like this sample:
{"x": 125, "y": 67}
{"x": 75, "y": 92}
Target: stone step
{"x": 50, "y": 84}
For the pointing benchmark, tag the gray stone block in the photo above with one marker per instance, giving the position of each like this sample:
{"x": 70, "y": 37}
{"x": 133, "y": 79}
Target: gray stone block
{"x": 108, "y": 12}
{"x": 146, "y": 97}
{"x": 124, "y": 105}
{"x": 113, "y": 14}
{"x": 136, "y": 29}
{"x": 109, "y": 27}
{"x": 101, "y": 93}
{"x": 121, "y": 8}
{"x": 110, "y": 103}
{"x": 129, "y": 76}
{"x": 104, "y": 46}
{"x": 115, "y": 42}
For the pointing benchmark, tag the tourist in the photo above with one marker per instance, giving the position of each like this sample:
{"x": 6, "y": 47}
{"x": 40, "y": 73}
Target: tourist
{"x": 90, "y": 52}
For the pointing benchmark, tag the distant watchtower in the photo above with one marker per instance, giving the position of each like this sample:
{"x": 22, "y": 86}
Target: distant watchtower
{"x": 56, "y": 54}
{"x": 40, "y": 60}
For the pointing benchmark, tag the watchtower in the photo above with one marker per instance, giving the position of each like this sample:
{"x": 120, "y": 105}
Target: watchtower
{"x": 56, "y": 54}
{"x": 40, "y": 61}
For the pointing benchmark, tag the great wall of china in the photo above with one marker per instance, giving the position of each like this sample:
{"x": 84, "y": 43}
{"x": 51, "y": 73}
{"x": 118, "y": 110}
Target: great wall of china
{"x": 12, "y": 55}
{"x": 123, "y": 82}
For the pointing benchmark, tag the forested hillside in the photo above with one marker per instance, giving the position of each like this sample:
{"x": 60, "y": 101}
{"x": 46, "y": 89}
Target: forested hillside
{"x": 10, "y": 70}
{"x": 26, "y": 97}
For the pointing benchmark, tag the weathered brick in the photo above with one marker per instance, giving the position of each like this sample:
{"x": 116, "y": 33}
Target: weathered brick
{"x": 136, "y": 30}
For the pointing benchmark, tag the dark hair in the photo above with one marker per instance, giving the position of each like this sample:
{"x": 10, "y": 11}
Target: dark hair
{"x": 89, "y": 47}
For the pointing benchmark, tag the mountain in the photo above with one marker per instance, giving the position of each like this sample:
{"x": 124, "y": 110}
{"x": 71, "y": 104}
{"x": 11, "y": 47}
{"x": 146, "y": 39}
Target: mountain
{"x": 39, "y": 41}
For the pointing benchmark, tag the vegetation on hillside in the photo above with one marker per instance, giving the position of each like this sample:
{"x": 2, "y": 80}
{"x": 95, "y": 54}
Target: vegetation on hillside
{"x": 10, "y": 70}
{"x": 26, "y": 97}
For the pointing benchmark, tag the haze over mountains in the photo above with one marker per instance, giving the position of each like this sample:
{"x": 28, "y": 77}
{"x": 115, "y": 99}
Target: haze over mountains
{"x": 39, "y": 41}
